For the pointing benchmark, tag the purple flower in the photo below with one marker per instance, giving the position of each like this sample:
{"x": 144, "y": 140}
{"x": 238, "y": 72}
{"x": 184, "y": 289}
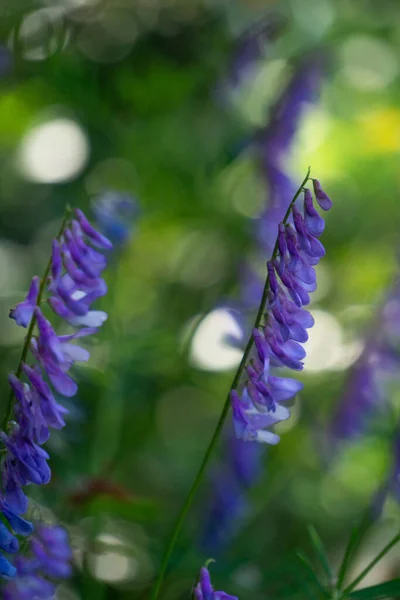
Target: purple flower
{"x": 22, "y": 313}
{"x": 323, "y": 200}
{"x": 290, "y": 277}
{"x": 74, "y": 284}
{"x": 7, "y": 570}
{"x": 49, "y": 557}
{"x": 273, "y": 144}
{"x": 205, "y": 591}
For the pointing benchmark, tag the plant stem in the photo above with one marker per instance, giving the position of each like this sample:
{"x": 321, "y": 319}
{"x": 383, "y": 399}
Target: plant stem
{"x": 354, "y": 543}
{"x": 207, "y": 456}
{"x": 371, "y": 565}
{"x": 31, "y": 327}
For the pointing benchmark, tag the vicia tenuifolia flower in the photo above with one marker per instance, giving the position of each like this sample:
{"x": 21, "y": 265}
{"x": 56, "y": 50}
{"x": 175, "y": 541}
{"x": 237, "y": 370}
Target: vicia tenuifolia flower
{"x": 241, "y": 462}
{"x": 258, "y": 401}
{"x": 48, "y": 560}
{"x": 205, "y": 591}
{"x": 72, "y": 282}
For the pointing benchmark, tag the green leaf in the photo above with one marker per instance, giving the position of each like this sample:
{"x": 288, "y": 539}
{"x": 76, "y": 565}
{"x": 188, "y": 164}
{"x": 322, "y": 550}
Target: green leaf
{"x": 320, "y": 551}
{"x": 357, "y": 535}
{"x": 389, "y": 589}
{"x": 310, "y": 570}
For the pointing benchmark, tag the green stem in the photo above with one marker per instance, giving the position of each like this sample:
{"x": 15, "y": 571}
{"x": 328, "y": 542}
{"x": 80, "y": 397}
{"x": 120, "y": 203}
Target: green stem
{"x": 371, "y": 565}
{"x": 31, "y": 327}
{"x": 206, "y": 459}
{"x": 354, "y": 543}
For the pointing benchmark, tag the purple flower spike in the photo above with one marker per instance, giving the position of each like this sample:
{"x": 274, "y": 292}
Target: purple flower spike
{"x": 74, "y": 284}
{"x": 22, "y": 313}
{"x": 205, "y": 591}
{"x": 259, "y": 403}
{"x": 314, "y": 223}
{"x": 323, "y": 200}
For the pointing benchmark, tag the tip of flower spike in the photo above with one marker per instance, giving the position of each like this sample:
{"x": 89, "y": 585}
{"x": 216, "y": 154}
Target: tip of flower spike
{"x": 95, "y": 237}
{"x": 322, "y": 198}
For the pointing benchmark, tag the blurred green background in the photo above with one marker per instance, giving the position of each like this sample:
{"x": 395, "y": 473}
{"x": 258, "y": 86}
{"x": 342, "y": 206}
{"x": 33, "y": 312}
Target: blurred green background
{"x": 137, "y": 96}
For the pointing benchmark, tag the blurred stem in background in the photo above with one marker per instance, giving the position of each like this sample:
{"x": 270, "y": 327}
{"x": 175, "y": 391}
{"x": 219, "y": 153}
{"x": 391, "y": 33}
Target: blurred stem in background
{"x": 221, "y": 421}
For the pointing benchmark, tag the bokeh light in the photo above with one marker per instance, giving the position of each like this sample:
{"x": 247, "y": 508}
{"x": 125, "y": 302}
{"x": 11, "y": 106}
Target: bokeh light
{"x": 53, "y": 152}
{"x": 210, "y": 348}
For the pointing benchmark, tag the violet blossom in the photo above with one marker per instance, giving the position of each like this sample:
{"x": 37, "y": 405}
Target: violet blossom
{"x": 205, "y": 591}
{"x": 73, "y": 284}
{"x": 241, "y": 464}
{"x": 259, "y": 402}
{"x": 47, "y": 562}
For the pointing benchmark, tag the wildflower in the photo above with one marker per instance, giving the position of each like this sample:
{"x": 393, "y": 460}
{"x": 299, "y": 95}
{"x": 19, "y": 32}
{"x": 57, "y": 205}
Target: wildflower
{"x": 74, "y": 282}
{"x": 205, "y": 591}
{"x": 22, "y": 313}
{"x": 291, "y": 277}
{"x": 241, "y": 463}
{"x": 48, "y": 560}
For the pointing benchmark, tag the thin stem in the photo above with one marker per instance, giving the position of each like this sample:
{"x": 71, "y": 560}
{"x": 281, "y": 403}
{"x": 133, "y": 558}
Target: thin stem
{"x": 207, "y": 456}
{"x": 354, "y": 543}
{"x": 310, "y": 569}
{"x": 31, "y": 327}
{"x": 371, "y": 565}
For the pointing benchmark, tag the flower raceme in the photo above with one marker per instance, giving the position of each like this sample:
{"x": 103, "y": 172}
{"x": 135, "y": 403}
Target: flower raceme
{"x": 241, "y": 463}
{"x": 277, "y": 342}
{"x": 73, "y": 281}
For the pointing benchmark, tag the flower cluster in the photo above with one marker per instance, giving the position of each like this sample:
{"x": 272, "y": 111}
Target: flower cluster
{"x": 205, "y": 591}
{"x": 291, "y": 278}
{"x": 73, "y": 281}
{"x": 241, "y": 464}
{"x": 49, "y": 558}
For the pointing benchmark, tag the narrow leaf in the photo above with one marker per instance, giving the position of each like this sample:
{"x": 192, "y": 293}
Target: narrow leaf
{"x": 357, "y": 535}
{"x": 372, "y": 564}
{"x": 320, "y": 551}
{"x": 310, "y": 570}
{"x": 389, "y": 589}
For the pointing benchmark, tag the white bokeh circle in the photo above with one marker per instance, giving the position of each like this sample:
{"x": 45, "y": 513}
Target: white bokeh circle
{"x": 53, "y": 152}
